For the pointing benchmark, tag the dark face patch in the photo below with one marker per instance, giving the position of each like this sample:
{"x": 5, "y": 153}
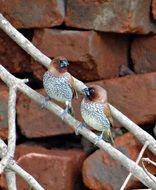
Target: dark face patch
{"x": 92, "y": 94}
{"x": 60, "y": 64}
{"x": 63, "y": 63}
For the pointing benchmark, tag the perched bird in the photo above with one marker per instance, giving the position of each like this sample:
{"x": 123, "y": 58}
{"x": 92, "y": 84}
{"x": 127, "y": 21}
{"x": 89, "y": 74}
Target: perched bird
{"x": 96, "y": 112}
{"x": 59, "y": 84}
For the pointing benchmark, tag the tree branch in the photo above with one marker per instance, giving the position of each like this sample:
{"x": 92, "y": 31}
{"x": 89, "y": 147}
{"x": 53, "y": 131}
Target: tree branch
{"x": 146, "y": 171}
{"x": 17, "y": 169}
{"x": 23, "y": 42}
{"x": 149, "y": 161}
{"x": 25, "y": 175}
{"x": 12, "y": 129}
{"x": 117, "y": 155}
{"x": 11, "y": 179}
{"x": 137, "y": 162}
{"x": 139, "y": 133}
{"x": 132, "y": 127}
{"x": 10, "y": 175}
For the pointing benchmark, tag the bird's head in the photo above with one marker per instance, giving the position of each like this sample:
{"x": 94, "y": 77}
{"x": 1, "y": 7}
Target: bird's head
{"x": 60, "y": 64}
{"x": 95, "y": 93}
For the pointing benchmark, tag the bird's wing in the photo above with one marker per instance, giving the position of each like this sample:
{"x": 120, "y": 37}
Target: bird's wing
{"x": 73, "y": 86}
{"x": 108, "y": 114}
{"x": 77, "y": 85}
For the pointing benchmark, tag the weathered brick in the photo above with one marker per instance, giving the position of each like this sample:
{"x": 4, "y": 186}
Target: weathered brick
{"x": 154, "y": 9}
{"x": 12, "y": 57}
{"x": 143, "y": 52}
{"x": 102, "y": 172}
{"x": 134, "y": 96}
{"x": 33, "y": 14}
{"x": 92, "y": 55}
{"x": 35, "y": 121}
{"x": 3, "y": 112}
{"x": 111, "y": 16}
{"x": 53, "y": 169}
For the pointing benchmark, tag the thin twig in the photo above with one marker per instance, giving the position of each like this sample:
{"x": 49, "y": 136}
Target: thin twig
{"x": 117, "y": 155}
{"x": 129, "y": 164}
{"x": 146, "y": 171}
{"x": 137, "y": 162}
{"x": 17, "y": 169}
{"x": 149, "y": 161}
{"x": 25, "y": 175}
{"x": 7, "y": 158}
{"x": 139, "y": 133}
{"x": 11, "y": 129}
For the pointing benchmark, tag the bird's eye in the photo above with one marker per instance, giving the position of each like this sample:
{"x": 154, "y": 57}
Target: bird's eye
{"x": 91, "y": 91}
{"x": 63, "y": 63}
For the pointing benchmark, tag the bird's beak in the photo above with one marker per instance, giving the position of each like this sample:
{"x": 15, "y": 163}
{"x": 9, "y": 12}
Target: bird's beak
{"x": 86, "y": 92}
{"x": 64, "y": 63}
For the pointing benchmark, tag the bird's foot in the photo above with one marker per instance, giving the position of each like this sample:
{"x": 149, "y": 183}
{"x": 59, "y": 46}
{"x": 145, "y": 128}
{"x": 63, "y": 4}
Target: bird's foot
{"x": 80, "y": 126}
{"x": 64, "y": 113}
{"x": 98, "y": 138}
{"x": 44, "y": 102}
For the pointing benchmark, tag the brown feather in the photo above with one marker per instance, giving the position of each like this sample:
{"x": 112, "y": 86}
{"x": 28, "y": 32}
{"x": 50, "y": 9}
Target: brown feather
{"x": 108, "y": 114}
{"x": 73, "y": 86}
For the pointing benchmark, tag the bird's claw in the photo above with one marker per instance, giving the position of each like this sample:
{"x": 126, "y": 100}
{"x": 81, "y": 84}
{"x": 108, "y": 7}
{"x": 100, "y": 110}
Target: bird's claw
{"x": 98, "y": 138}
{"x": 44, "y": 102}
{"x": 80, "y": 126}
{"x": 63, "y": 114}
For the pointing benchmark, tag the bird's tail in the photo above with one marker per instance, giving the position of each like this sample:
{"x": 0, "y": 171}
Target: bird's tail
{"x": 108, "y": 137}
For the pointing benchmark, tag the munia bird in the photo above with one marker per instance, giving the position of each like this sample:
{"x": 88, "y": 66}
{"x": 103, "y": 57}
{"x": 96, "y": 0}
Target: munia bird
{"x": 96, "y": 112}
{"x": 59, "y": 84}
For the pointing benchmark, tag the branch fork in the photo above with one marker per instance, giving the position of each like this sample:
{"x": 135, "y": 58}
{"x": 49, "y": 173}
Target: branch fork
{"x": 14, "y": 84}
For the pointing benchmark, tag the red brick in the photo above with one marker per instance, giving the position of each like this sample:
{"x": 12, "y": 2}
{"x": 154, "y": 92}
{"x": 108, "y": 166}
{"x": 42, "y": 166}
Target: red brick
{"x": 110, "y": 16}
{"x": 143, "y": 54}
{"x": 12, "y": 57}
{"x": 154, "y": 9}
{"x": 92, "y": 55}
{"x": 35, "y": 121}
{"x": 101, "y": 172}
{"x": 33, "y": 14}
{"x": 134, "y": 96}
{"x": 3, "y": 112}
{"x": 54, "y": 169}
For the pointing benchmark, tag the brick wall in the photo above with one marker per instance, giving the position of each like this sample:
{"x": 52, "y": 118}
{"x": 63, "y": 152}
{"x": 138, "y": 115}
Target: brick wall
{"x": 108, "y": 42}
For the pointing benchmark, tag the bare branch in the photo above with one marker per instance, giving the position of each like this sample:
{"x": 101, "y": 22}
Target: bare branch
{"x": 23, "y": 42}
{"x": 139, "y": 133}
{"x": 137, "y": 162}
{"x": 25, "y": 175}
{"x": 10, "y": 175}
{"x": 117, "y": 155}
{"x": 11, "y": 179}
{"x": 12, "y": 121}
{"x": 17, "y": 169}
{"x": 37, "y": 55}
{"x": 149, "y": 161}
